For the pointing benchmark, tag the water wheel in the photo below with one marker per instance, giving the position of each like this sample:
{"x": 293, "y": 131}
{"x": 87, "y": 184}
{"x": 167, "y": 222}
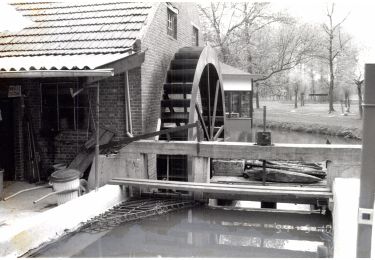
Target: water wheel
{"x": 192, "y": 92}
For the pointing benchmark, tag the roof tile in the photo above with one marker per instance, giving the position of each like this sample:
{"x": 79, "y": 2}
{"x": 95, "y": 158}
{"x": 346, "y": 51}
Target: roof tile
{"x": 74, "y": 28}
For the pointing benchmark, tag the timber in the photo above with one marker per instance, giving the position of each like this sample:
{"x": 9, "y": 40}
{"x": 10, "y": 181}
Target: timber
{"x": 276, "y": 175}
{"x": 345, "y": 154}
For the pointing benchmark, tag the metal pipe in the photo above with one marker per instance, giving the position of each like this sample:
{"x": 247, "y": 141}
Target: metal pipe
{"x": 25, "y": 190}
{"x": 367, "y": 177}
{"x": 97, "y": 138}
{"x": 54, "y": 193}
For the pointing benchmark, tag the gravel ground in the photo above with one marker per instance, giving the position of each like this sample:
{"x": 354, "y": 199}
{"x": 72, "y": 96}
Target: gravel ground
{"x": 311, "y": 118}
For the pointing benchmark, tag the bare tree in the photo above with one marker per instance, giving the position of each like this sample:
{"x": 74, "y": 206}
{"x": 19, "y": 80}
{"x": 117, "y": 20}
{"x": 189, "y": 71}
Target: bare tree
{"x": 334, "y": 47}
{"x": 221, "y": 20}
{"x": 358, "y": 82}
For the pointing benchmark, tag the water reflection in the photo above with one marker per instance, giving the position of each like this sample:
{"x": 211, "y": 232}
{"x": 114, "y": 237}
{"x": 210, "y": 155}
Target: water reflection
{"x": 205, "y": 232}
{"x": 285, "y": 136}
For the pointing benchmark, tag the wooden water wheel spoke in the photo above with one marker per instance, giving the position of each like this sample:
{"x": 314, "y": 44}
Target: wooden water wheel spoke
{"x": 190, "y": 94}
{"x": 201, "y": 120}
{"x": 215, "y": 109}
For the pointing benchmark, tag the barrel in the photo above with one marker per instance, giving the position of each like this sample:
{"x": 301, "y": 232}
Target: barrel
{"x": 65, "y": 180}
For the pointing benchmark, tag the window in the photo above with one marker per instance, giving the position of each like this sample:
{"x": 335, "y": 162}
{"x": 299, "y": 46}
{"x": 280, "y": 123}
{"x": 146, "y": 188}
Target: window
{"x": 238, "y": 104}
{"x": 172, "y": 23}
{"x": 60, "y": 111}
{"x": 195, "y": 37}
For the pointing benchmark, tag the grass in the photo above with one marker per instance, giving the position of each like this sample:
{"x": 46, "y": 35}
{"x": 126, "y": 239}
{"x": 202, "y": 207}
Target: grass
{"x": 312, "y": 117}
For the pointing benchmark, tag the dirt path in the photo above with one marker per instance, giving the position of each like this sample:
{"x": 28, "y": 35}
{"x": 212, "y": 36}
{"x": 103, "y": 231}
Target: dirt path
{"x": 311, "y": 118}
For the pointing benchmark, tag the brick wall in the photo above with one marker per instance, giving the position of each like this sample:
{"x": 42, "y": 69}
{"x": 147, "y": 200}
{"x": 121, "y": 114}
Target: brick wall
{"x": 63, "y": 147}
{"x": 160, "y": 50}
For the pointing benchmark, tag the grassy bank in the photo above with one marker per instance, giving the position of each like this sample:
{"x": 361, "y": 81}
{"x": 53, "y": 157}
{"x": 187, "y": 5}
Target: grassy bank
{"x": 311, "y": 118}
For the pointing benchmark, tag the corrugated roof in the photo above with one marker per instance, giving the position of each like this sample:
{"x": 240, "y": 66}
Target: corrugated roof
{"x": 67, "y": 29}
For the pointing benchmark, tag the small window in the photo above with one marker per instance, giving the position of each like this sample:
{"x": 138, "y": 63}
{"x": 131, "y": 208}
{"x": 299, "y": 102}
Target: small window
{"x": 195, "y": 37}
{"x": 172, "y": 23}
{"x": 238, "y": 104}
{"x": 60, "y": 111}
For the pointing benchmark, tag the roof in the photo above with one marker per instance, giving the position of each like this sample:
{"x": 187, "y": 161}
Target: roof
{"x": 72, "y": 34}
{"x": 230, "y": 70}
{"x": 235, "y": 79}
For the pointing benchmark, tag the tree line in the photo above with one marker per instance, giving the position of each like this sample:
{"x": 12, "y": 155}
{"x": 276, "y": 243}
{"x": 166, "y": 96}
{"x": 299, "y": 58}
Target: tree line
{"x": 287, "y": 56}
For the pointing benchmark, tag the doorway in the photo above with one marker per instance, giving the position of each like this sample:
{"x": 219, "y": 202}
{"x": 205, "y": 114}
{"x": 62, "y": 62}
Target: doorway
{"x": 7, "y": 138}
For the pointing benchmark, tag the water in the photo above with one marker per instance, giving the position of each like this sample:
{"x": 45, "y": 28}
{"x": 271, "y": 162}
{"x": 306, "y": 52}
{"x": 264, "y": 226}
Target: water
{"x": 204, "y": 232}
{"x": 286, "y": 136}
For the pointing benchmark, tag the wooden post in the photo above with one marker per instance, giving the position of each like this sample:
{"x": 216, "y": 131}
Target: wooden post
{"x": 97, "y": 139}
{"x": 367, "y": 179}
{"x": 200, "y": 173}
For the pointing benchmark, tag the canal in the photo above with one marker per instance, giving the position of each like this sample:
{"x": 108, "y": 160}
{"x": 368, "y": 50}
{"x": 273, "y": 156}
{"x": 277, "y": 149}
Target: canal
{"x": 212, "y": 232}
{"x": 204, "y": 232}
{"x": 287, "y": 136}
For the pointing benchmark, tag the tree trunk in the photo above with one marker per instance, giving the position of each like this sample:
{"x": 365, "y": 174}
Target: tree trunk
{"x": 296, "y": 98}
{"x": 331, "y": 86}
{"x": 257, "y": 99}
{"x": 359, "y": 91}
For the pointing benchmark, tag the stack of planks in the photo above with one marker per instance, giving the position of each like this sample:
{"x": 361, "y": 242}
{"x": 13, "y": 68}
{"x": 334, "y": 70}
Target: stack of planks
{"x": 87, "y": 152}
{"x": 285, "y": 171}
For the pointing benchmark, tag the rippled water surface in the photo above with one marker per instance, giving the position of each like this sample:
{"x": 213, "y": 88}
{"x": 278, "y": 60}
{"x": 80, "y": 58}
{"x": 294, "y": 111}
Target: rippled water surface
{"x": 204, "y": 232}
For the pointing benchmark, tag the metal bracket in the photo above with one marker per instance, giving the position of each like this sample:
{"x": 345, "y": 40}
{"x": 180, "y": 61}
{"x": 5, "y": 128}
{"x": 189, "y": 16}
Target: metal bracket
{"x": 365, "y": 216}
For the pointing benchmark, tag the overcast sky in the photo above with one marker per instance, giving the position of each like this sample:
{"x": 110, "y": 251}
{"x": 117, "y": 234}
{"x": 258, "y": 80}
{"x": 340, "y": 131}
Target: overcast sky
{"x": 358, "y": 23}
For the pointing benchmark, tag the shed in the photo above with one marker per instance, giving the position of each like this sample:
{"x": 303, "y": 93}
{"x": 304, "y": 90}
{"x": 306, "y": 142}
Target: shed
{"x": 237, "y": 86}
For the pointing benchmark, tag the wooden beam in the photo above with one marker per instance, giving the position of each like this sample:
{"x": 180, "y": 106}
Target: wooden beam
{"x": 127, "y": 63}
{"x": 346, "y": 154}
{"x": 201, "y": 120}
{"x": 218, "y": 133}
{"x": 215, "y": 108}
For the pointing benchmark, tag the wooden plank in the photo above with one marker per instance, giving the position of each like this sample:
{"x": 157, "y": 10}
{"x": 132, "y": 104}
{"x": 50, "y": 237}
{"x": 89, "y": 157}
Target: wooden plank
{"x": 347, "y": 154}
{"x": 276, "y": 175}
{"x": 85, "y": 157}
{"x": 127, "y": 63}
{"x": 245, "y": 181}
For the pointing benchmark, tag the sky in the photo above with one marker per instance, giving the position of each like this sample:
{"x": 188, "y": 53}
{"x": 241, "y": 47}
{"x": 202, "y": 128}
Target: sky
{"x": 361, "y": 16}
{"x": 358, "y": 23}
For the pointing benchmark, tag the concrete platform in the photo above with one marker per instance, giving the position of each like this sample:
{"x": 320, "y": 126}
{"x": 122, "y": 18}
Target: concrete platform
{"x": 22, "y": 206}
{"x": 26, "y": 226}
